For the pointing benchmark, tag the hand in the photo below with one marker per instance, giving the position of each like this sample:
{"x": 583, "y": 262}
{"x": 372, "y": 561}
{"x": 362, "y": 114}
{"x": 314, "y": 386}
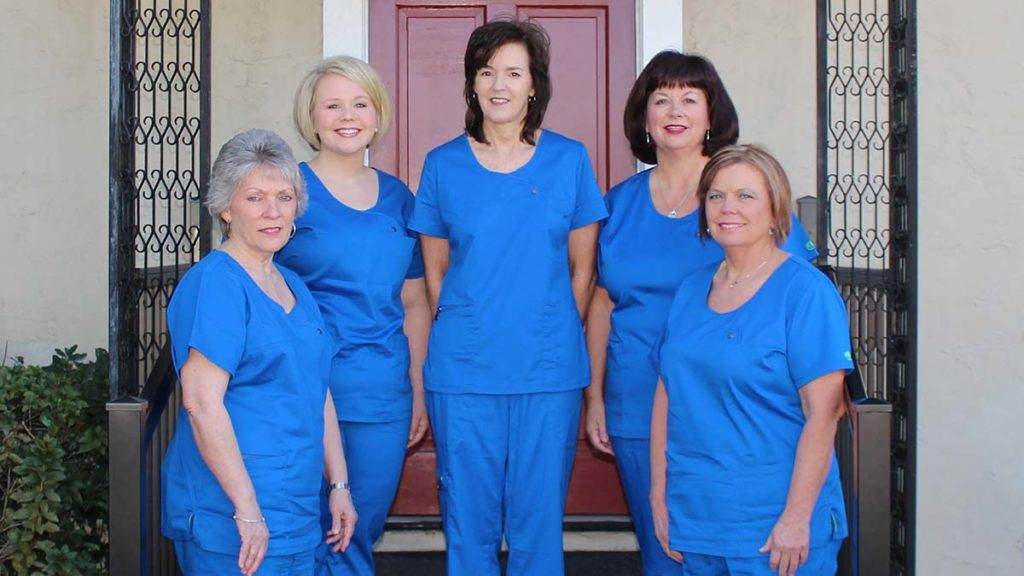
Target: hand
{"x": 419, "y": 424}
{"x": 255, "y": 538}
{"x": 597, "y": 431}
{"x": 660, "y": 513}
{"x": 343, "y": 519}
{"x": 789, "y": 543}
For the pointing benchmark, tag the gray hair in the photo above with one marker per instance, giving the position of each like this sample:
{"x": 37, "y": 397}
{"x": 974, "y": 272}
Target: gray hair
{"x": 239, "y": 157}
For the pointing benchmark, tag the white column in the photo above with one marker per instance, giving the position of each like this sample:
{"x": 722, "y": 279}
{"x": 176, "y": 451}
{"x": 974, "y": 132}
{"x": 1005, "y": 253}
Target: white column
{"x": 346, "y": 25}
{"x": 659, "y": 26}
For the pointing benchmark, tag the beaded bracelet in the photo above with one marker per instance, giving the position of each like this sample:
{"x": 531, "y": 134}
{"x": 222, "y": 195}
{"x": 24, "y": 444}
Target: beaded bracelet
{"x": 262, "y": 520}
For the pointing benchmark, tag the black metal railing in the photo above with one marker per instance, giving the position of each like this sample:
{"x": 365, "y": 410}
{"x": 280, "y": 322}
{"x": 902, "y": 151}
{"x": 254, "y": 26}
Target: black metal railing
{"x": 865, "y": 226}
{"x": 159, "y": 167}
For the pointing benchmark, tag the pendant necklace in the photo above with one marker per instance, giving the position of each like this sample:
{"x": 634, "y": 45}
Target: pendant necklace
{"x": 674, "y": 211}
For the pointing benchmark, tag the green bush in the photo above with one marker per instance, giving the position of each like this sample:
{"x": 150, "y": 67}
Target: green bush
{"x": 53, "y": 466}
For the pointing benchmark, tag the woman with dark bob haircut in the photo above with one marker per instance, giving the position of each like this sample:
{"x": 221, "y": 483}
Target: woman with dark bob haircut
{"x": 744, "y": 478}
{"x": 507, "y": 215}
{"x": 677, "y": 115}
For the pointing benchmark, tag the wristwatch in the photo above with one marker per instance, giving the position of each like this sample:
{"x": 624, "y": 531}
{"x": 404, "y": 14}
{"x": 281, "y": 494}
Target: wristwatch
{"x": 338, "y": 486}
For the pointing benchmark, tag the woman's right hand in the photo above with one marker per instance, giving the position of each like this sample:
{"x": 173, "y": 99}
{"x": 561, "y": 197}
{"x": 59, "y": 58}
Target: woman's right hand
{"x": 597, "y": 431}
{"x": 255, "y": 538}
{"x": 660, "y": 513}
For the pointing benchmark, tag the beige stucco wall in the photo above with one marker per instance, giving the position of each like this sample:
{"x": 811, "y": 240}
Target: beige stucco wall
{"x": 53, "y": 181}
{"x": 971, "y": 316}
{"x": 261, "y": 50}
{"x": 765, "y": 54}
{"x": 53, "y": 178}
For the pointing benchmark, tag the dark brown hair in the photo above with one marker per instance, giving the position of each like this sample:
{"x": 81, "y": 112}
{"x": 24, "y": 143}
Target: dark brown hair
{"x": 483, "y": 43}
{"x": 669, "y": 69}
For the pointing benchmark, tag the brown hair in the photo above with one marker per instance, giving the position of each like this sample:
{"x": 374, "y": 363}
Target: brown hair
{"x": 672, "y": 68}
{"x": 483, "y": 43}
{"x": 775, "y": 180}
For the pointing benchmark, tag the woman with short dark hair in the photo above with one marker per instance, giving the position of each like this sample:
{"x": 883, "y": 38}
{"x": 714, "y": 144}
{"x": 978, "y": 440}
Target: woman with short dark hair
{"x": 507, "y": 217}
{"x": 257, "y": 432}
{"x": 677, "y": 115}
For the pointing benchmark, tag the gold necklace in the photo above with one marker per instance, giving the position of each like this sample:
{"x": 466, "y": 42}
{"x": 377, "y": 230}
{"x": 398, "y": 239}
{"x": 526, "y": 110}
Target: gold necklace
{"x": 745, "y": 277}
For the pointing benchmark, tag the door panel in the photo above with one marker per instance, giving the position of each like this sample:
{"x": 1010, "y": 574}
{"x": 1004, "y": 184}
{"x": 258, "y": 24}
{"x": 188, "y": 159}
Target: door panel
{"x": 417, "y": 47}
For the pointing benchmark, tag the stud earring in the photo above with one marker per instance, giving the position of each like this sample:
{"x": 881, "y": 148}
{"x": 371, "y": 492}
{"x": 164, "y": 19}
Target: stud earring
{"x": 531, "y": 100}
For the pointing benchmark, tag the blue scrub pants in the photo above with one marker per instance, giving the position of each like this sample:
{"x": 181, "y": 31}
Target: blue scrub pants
{"x": 194, "y": 561}
{"x": 821, "y": 561}
{"x": 633, "y": 458}
{"x": 374, "y": 454}
{"x": 503, "y": 465}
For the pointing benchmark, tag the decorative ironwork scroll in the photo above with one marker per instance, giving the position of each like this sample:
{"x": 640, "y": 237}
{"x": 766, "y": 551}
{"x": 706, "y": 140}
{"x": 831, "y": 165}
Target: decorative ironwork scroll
{"x": 867, "y": 210}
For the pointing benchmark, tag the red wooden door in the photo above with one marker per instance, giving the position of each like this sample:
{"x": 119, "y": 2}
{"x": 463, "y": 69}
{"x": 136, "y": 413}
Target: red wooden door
{"x": 417, "y": 47}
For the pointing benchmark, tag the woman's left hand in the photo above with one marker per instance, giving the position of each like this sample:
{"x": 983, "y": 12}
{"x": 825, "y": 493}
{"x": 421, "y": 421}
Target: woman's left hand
{"x": 420, "y": 424}
{"x": 789, "y": 544}
{"x": 343, "y": 520}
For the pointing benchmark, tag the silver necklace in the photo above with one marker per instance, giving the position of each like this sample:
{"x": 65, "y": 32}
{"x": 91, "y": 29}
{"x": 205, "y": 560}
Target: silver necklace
{"x": 746, "y": 276}
{"x": 674, "y": 212}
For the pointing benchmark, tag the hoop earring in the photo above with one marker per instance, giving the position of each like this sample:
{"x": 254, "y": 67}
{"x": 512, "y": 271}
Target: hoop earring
{"x": 227, "y": 229}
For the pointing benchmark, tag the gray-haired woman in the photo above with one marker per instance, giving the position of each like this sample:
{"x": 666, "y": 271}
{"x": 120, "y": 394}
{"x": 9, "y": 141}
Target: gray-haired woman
{"x": 242, "y": 474}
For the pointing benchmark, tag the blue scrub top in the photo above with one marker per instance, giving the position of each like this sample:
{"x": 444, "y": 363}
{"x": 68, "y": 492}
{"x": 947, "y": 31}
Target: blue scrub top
{"x": 506, "y": 321}
{"x": 734, "y": 413}
{"x": 355, "y": 263}
{"x": 643, "y": 255}
{"x": 278, "y": 366}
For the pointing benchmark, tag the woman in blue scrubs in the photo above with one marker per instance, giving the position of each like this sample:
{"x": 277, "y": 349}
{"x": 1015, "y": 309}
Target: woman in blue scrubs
{"x": 507, "y": 214}
{"x": 677, "y": 115}
{"x": 744, "y": 478}
{"x": 242, "y": 475}
{"x": 364, "y": 269}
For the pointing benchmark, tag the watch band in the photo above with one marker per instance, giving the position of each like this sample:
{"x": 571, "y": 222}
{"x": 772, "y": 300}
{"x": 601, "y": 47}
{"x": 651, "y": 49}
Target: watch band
{"x": 339, "y": 486}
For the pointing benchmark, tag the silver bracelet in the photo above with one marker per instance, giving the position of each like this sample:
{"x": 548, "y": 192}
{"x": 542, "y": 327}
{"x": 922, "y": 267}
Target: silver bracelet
{"x": 262, "y": 520}
{"x": 338, "y": 486}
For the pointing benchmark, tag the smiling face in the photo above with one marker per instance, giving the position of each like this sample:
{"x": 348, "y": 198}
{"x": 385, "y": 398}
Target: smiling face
{"x": 677, "y": 117}
{"x": 503, "y": 87}
{"x": 343, "y": 115}
{"x": 261, "y": 212}
{"x": 739, "y": 207}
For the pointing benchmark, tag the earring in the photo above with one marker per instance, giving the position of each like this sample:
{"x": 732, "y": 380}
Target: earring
{"x": 707, "y": 135}
{"x": 648, "y": 137}
{"x": 227, "y": 229}
{"x": 294, "y": 229}
{"x": 531, "y": 100}
{"x": 472, "y": 96}
{"x": 771, "y": 231}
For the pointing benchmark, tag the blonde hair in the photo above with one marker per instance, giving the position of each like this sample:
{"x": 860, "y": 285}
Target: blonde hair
{"x": 355, "y": 70}
{"x": 775, "y": 180}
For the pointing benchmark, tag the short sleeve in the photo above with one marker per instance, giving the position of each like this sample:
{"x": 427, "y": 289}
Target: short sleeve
{"x": 798, "y": 243}
{"x": 590, "y": 205}
{"x": 209, "y": 315}
{"x": 817, "y": 331}
{"x": 426, "y": 214}
{"x": 416, "y": 264}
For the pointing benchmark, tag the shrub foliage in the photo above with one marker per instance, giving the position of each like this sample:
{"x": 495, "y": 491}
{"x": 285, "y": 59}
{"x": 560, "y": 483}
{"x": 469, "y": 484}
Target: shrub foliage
{"x": 53, "y": 466}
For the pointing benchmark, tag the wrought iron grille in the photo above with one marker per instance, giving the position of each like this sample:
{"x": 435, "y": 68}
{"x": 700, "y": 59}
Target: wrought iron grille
{"x": 160, "y": 141}
{"x": 867, "y": 212}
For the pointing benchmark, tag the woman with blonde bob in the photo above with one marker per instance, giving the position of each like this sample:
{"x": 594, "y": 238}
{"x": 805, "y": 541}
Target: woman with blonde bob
{"x": 743, "y": 475}
{"x": 364, "y": 269}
